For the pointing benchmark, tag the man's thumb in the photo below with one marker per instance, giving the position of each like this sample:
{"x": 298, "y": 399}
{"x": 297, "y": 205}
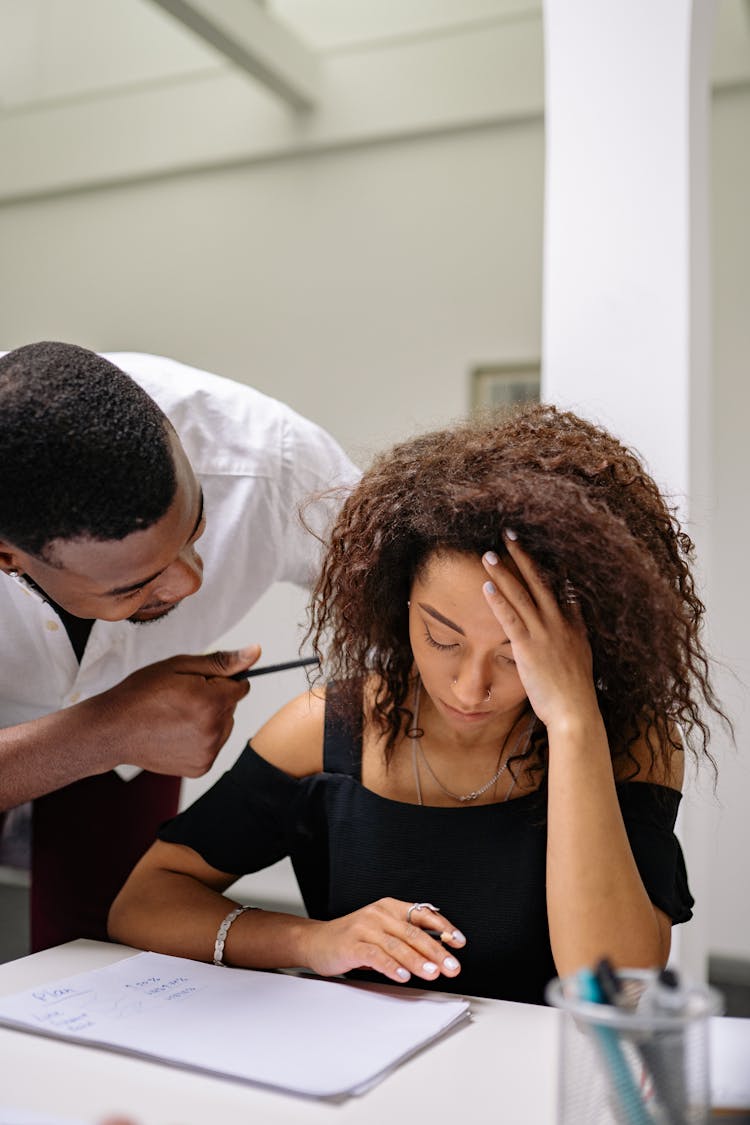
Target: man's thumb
{"x": 228, "y": 663}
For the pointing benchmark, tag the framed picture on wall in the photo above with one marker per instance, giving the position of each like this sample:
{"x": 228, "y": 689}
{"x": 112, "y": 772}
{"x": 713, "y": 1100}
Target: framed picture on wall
{"x": 504, "y": 384}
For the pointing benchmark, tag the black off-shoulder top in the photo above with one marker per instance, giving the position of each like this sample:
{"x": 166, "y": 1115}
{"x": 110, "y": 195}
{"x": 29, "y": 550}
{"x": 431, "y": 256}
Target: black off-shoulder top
{"x": 484, "y": 866}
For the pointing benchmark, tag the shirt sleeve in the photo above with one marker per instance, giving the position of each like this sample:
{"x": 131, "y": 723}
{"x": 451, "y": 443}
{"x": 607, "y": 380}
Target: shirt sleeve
{"x": 316, "y": 478}
{"x": 649, "y": 813}
{"x": 246, "y": 821}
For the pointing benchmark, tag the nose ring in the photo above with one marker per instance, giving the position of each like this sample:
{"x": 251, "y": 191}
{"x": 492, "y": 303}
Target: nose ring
{"x": 454, "y": 681}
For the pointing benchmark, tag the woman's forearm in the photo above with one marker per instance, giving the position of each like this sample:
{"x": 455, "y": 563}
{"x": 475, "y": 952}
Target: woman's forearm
{"x": 171, "y": 912}
{"x": 596, "y": 902}
{"x": 179, "y": 911}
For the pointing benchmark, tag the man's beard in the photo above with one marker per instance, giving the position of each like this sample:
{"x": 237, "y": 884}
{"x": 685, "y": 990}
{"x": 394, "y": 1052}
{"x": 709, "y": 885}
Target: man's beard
{"x": 135, "y": 620}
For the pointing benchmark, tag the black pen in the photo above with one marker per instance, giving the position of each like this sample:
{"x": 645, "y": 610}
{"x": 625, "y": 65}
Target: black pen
{"x": 664, "y": 1050}
{"x": 609, "y": 983}
{"x": 660, "y": 1051}
{"x": 250, "y": 672}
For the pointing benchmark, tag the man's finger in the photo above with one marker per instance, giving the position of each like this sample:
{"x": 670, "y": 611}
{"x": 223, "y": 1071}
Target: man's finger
{"x": 223, "y": 663}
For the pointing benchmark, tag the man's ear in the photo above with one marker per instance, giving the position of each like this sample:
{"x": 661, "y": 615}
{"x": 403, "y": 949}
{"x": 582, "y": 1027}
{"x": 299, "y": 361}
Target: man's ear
{"x": 10, "y": 558}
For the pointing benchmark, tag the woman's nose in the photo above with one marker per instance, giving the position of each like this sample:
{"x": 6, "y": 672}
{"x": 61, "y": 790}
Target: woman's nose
{"x": 472, "y": 686}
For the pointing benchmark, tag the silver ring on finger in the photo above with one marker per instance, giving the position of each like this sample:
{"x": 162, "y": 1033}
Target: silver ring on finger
{"x": 420, "y": 906}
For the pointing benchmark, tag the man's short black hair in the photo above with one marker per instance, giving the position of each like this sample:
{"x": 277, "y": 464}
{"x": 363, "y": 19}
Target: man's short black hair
{"x": 84, "y": 451}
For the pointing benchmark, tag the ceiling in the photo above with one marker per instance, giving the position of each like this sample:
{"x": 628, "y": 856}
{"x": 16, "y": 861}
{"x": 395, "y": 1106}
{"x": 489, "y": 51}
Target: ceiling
{"x": 96, "y": 92}
{"x": 52, "y": 51}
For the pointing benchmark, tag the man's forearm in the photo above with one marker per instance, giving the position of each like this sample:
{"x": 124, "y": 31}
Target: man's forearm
{"x": 171, "y": 717}
{"x": 45, "y": 754}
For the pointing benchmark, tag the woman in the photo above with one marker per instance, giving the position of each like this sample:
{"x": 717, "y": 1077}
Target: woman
{"x": 484, "y": 795}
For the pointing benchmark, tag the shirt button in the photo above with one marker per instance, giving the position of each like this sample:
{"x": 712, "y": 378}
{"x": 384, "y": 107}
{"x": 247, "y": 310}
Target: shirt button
{"x": 52, "y": 626}
{"x": 75, "y": 697}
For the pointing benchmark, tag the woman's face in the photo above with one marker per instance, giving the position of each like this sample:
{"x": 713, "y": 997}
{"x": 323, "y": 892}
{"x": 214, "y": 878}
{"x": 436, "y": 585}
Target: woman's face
{"x": 462, "y": 654}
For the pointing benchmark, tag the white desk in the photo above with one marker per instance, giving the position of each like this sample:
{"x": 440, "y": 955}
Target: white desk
{"x": 500, "y": 1068}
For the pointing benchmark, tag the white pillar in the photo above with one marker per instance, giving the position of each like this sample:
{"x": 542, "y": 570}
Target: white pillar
{"x": 626, "y": 333}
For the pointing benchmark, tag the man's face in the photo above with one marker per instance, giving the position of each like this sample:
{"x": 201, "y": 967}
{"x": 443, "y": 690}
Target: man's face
{"x": 139, "y": 578}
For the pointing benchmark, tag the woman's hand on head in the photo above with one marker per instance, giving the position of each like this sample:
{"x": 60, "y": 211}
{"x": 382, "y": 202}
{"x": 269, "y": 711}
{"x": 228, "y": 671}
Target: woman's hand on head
{"x": 551, "y": 649}
{"x": 379, "y": 937}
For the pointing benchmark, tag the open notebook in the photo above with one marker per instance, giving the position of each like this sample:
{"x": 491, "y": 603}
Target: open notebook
{"x": 318, "y": 1038}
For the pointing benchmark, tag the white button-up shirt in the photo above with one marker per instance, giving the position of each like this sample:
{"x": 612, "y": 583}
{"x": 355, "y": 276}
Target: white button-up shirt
{"x": 256, "y": 460}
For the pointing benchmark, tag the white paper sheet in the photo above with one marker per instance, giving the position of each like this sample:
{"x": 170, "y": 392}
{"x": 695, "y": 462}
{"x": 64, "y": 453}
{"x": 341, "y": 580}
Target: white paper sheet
{"x": 299, "y": 1034}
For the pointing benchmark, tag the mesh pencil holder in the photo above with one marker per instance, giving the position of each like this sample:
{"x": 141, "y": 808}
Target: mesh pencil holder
{"x": 635, "y": 1063}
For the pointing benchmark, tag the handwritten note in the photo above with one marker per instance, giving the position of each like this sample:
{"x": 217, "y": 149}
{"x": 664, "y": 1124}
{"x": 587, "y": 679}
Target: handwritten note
{"x": 303, "y": 1035}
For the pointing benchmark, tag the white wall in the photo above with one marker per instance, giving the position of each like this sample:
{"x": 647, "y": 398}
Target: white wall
{"x": 359, "y": 286}
{"x": 727, "y": 592}
{"x": 626, "y": 267}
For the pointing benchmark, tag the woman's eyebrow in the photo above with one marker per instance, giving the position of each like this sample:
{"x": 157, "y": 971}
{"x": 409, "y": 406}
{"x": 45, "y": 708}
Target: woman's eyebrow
{"x": 447, "y": 621}
{"x": 439, "y": 617}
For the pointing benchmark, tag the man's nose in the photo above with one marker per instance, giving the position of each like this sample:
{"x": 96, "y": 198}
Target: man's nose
{"x": 181, "y": 579}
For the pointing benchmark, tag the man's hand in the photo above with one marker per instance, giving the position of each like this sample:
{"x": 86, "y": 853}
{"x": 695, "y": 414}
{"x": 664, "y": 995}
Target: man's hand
{"x": 173, "y": 717}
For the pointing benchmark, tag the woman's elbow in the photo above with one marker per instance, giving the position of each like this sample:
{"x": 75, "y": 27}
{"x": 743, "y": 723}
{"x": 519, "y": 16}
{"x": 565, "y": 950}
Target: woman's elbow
{"x": 119, "y": 917}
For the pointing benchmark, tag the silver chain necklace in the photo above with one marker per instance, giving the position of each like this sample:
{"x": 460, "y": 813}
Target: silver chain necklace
{"x": 416, "y": 749}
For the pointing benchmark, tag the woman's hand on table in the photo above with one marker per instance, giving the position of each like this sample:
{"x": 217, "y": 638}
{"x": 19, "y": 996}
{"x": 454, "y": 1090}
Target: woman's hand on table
{"x": 380, "y": 937}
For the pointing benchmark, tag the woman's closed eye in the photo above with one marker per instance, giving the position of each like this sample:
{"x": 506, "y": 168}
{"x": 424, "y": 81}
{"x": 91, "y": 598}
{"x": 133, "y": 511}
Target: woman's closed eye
{"x": 436, "y": 644}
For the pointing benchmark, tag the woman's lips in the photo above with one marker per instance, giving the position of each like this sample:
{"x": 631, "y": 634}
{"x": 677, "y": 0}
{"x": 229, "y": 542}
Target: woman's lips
{"x": 467, "y": 716}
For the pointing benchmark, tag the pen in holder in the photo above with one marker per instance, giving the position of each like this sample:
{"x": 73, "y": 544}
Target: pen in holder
{"x": 633, "y": 1048}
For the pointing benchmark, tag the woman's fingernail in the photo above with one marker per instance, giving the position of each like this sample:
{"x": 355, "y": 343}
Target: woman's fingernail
{"x": 450, "y": 963}
{"x": 490, "y": 588}
{"x": 458, "y": 936}
{"x": 403, "y": 974}
{"x": 491, "y": 558}
{"x": 510, "y": 534}
{"x": 429, "y": 967}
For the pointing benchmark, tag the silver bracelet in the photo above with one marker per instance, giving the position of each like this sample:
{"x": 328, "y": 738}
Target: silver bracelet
{"x": 223, "y": 930}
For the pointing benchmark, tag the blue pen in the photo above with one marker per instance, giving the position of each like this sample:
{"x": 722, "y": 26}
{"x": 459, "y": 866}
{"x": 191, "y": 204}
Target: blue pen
{"x": 629, "y": 1107}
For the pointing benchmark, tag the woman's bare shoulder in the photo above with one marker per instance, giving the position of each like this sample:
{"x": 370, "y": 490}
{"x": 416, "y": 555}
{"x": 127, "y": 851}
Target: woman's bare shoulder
{"x": 292, "y": 739}
{"x": 653, "y": 760}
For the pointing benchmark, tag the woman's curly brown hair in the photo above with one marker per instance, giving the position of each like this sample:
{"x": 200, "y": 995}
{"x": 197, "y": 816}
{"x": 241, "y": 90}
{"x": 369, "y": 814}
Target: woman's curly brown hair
{"x": 585, "y": 510}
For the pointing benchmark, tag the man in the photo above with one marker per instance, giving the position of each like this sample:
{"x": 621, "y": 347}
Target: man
{"x": 144, "y": 507}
